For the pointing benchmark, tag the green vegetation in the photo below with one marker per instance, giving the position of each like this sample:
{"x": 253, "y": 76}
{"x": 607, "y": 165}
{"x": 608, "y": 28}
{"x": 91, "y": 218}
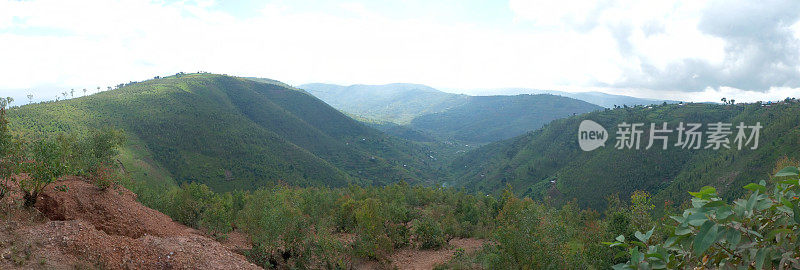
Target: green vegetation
{"x": 398, "y": 103}
{"x": 44, "y": 160}
{"x": 485, "y": 119}
{"x": 9, "y": 153}
{"x": 548, "y": 163}
{"x": 313, "y": 188}
{"x": 232, "y": 133}
{"x": 757, "y": 231}
{"x": 423, "y": 114}
{"x": 301, "y": 227}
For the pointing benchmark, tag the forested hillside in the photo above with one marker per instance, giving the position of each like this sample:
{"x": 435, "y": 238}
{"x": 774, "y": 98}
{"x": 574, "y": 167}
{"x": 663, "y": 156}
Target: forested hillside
{"x": 420, "y": 113}
{"x": 398, "y": 102}
{"x": 549, "y": 163}
{"x": 232, "y": 133}
{"x": 493, "y": 118}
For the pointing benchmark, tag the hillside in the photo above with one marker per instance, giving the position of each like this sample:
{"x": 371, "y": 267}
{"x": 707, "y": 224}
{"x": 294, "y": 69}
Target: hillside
{"x": 232, "y": 133}
{"x": 485, "y": 119}
{"x": 597, "y": 98}
{"x": 398, "y": 102}
{"x": 549, "y": 163}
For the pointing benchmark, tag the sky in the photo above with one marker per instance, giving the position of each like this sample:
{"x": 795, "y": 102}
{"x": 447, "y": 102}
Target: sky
{"x": 690, "y": 50}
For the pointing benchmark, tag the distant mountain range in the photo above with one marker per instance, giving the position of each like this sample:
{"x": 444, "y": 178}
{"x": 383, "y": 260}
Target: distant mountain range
{"x": 398, "y": 102}
{"x": 603, "y": 99}
{"x": 424, "y": 111}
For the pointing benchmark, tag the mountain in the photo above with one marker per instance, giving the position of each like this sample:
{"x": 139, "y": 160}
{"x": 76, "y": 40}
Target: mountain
{"x": 233, "y": 133}
{"x": 398, "y": 102}
{"x": 485, "y": 119}
{"x": 422, "y": 113}
{"x": 597, "y": 98}
{"x": 549, "y": 163}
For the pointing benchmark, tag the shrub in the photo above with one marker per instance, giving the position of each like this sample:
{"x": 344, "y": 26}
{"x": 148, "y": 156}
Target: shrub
{"x": 190, "y": 202}
{"x": 9, "y": 155}
{"x": 376, "y": 246}
{"x": 277, "y": 228}
{"x": 93, "y": 156}
{"x": 46, "y": 166}
{"x": 428, "y": 233}
{"x": 217, "y": 217}
{"x": 758, "y": 231}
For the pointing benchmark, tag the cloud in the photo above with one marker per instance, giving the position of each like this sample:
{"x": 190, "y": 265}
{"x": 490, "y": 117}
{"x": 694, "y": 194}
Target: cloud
{"x": 689, "y": 45}
{"x": 640, "y": 47}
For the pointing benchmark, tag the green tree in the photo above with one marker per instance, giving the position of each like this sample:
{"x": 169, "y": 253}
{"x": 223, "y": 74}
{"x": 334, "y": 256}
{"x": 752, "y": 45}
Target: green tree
{"x": 9, "y": 160}
{"x": 758, "y": 231}
{"x": 46, "y": 165}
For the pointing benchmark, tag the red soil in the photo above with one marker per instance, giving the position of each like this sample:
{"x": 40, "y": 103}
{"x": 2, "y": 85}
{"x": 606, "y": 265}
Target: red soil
{"x": 85, "y": 227}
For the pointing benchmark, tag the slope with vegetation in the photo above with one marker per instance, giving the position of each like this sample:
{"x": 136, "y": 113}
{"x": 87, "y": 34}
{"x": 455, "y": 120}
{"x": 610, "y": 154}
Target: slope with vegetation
{"x": 548, "y": 163}
{"x": 343, "y": 227}
{"x": 424, "y": 114}
{"x": 232, "y": 133}
{"x": 493, "y": 118}
{"x": 398, "y": 102}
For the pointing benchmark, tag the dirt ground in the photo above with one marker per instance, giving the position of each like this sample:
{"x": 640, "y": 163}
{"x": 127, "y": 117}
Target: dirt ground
{"x": 86, "y": 228}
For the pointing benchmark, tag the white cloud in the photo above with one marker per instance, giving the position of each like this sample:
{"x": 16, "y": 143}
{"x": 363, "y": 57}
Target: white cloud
{"x": 51, "y": 45}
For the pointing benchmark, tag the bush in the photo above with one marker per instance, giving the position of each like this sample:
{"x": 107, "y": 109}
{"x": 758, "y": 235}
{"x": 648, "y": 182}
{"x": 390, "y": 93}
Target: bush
{"x": 46, "y": 166}
{"x": 218, "y": 215}
{"x": 190, "y": 202}
{"x": 9, "y": 155}
{"x": 758, "y": 231}
{"x": 428, "y": 233}
{"x": 277, "y": 228}
{"x": 93, "y": 156}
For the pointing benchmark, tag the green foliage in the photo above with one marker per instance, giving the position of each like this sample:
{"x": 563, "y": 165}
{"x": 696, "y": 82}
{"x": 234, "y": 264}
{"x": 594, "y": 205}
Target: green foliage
{"x": 548, "y": 163}
{"x": 398, "y": 103}
{"x": 298, "y": 227}
{"x": 190, "y": 202}
{"x": 531, "y": 235}
{"x": 9, "y": 155}
{"x": 428, "y": 233}
{"x": 232, "y": 133}
{"x": 758, "y": 231}
{"x": 484, "y": 119}
{"x": 428, "y": 113}
{"x": 94, "y": 156}
{"x": 47, "y": 163}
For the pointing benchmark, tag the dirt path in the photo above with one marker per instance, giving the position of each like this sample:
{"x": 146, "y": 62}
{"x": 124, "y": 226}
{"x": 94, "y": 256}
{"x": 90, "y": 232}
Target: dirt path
{"x": 408, "y": 258}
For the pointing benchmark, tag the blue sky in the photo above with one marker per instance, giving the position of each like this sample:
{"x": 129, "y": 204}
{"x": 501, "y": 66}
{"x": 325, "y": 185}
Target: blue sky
{"x": 694, "y": 50}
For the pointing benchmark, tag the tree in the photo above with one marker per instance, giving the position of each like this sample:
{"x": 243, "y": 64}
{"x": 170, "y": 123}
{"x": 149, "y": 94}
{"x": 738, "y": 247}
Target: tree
{"x": 758, "y": 231}
{"x": 8, "y": 160}
{"x": 84, "y": 92}
{"x": 724, "y": 100}
{"x": 98, "y": 89}
{"x": 72, "y": 92}
{"x": 46, "y": 166}
{"x": 64, "y": 94}
{"x": 30, "y": 98}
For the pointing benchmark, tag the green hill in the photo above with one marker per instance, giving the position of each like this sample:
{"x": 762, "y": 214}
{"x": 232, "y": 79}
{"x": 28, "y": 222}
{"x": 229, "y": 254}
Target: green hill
{"x": 233, "y": 133}
{"x": 549, "y": 163}
{"x": 398, "y": 102}
{"x": 485, "y": 119}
